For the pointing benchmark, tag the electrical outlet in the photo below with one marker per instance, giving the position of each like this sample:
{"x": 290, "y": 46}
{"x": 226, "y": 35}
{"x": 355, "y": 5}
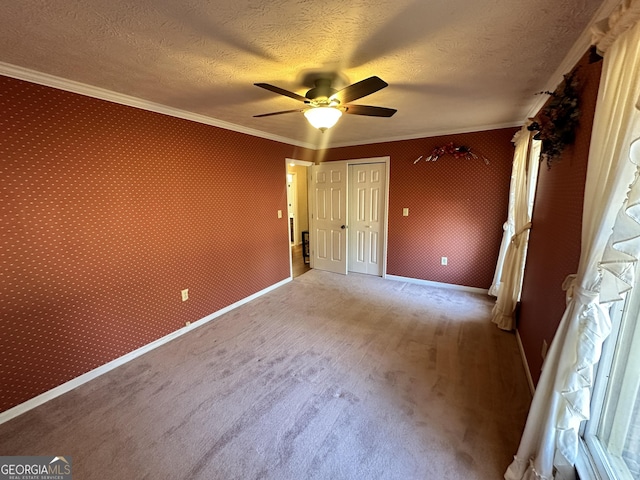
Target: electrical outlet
{"x": 405, "y": 212}
{"x": 444, "y": 261}
{"x": 187, "y": 323}
{"x": 545, "y": 347}
{"x": 185, "y": 294}
{"x": 279, "y": 213}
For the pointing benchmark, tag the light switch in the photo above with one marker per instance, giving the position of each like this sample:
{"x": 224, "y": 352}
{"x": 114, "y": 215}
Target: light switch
{"x": 405, "y": 212}
{"x": 279, "y": 213}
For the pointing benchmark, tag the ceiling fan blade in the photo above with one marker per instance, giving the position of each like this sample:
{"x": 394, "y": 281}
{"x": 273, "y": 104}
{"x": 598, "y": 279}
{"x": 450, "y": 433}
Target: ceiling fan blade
{"x": 281, "y": 91}
{"x": 369, "y": 110}
{"x": 277, "y": 113}
{"x": 360, "y": 89}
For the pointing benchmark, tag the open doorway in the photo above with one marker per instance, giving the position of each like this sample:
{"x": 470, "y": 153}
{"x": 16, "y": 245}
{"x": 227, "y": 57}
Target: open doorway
{"x": 298, "y": 214}
{"x": 292, "y": 207}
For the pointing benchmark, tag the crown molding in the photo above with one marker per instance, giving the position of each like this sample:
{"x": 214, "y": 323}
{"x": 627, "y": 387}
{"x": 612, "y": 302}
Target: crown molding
{"x": 72, "y": 86}
{"x": 575, "y": 54}
{"x": 428, "y": 134}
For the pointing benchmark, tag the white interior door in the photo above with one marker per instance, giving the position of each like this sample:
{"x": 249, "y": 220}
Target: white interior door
{"x": 366, "y": 217}
{"x": 329, "y": 217}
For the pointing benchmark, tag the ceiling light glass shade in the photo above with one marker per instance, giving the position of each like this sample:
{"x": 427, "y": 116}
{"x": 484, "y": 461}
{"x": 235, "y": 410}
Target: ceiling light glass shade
{"x": 323, "y": 117}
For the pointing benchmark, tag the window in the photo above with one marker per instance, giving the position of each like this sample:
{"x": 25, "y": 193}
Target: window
{"x": 612, "y": 435}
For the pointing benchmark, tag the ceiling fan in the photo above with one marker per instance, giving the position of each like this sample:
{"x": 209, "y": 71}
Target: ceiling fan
{"x": 325, "y": 105}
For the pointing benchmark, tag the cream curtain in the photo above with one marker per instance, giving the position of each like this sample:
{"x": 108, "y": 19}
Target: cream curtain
{"x": 610, "y": 249}
{"x": 508, "y": 277}
{"x": 509, "y": 226}
{"x": 518, "y": 169}
{"x": 507, "y": 234}
{"x": 508, "y": 230}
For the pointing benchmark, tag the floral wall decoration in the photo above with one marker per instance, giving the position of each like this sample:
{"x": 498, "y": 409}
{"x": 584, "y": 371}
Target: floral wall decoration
{"x": 556, "y": 123}
{"x": 450, "y": 149}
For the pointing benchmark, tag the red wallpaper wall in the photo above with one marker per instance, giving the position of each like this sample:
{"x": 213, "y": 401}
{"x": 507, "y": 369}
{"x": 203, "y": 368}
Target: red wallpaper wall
{"x": 456, "y": 206}
{"x": 107, "y": 213}
{"x": 554, "y": 246}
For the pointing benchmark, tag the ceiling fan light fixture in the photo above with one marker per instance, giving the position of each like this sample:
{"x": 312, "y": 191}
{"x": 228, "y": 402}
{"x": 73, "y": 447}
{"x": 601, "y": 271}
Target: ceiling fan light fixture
{"x": 323, "y": 118}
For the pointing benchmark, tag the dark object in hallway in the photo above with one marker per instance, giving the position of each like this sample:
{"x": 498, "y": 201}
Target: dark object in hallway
{"x": 305, "y": 247}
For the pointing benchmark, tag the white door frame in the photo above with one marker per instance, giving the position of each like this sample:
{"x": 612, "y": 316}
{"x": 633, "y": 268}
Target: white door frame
{"x": 304, "y": 163}
{"x": 387, "y": 161}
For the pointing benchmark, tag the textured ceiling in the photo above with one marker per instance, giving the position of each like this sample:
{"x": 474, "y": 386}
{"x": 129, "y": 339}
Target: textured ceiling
{"x": 451, "y": 65}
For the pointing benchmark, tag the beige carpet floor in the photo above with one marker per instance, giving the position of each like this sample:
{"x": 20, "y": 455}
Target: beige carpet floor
{"x": 327, "y": 377}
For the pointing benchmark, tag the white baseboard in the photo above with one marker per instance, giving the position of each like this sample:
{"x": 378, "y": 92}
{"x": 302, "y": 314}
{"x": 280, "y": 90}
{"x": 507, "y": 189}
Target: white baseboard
{"x": 76, "y": 382}
{"x": 419, "y": 281}
{"x": 527, "y": 371}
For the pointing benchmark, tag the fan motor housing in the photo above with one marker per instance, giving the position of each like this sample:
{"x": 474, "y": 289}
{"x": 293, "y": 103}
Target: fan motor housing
{"x": 322, "y": 90}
